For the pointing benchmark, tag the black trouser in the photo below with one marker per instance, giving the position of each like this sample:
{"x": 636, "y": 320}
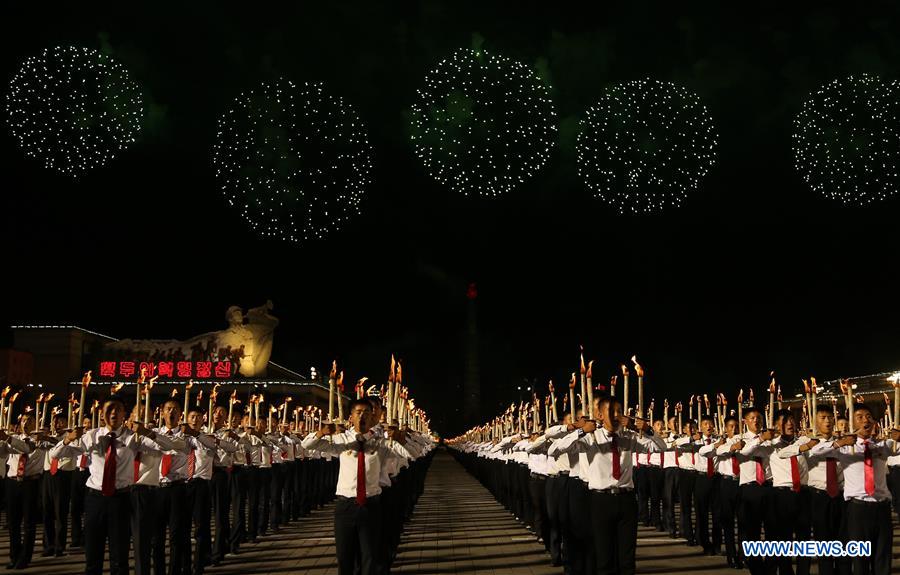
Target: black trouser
{"x": 239, "y": 488}
{"x": 60, "y": 490}
{"x": 301, "y": 482}
{"x": 555, "y": 495}
{"x": 871, "y": 522}
{"x": 791, "y": 514}
{"x": 288, "y": 469}
{"x": 357, "y": 536}
{"x": 537, "y": 492}
{"x": 79, "y": 479}
{"x": 729, "y": 502}
{"x": 174, "y": 512}
{"x": 220, "y": 496}
{"x": 756, "y": 506}
{"x": 277, "y": 493}
{"x": 21, "y": 518}
{"x": 642, "y": 490}
{"x": 143, "y": 522}
{"x": 686, "y": 479}
{"x": 260, "y": 495}
{"x": 614, "y": 527}
{"x": 827, "y": 519}
{"x": 655, "y": 480}
{"x": 45, "y": 510}
{"x": 582, "y": 560}
{"x": 706, "y": 495}
{"x": 670, "y": 489}
{"x": 200, "y": 501}
{"x": 106, "y": 518}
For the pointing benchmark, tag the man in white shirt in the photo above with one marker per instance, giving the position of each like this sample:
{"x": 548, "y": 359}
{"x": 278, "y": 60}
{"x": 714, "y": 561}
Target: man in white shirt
{"x": 357, "y": 513}
{"x": 669, "y": 461}
{"x": 220, "y": 494}
{"x": 111, "y": 450}
{"x": 652, "y": 462}
{"x": 57, "y": 493}
{"x": 790, "y": 490}
{"x": 26, "y": 464}
{"x": 755, "y": 449}
{"x": 864, "y": 458}
{"x": 613, "y": 504}
{"x": 706, "y": 489}
{"x": 729, "y": 468}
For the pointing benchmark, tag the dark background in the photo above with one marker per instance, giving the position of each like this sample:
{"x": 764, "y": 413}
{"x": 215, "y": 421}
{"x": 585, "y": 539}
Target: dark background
{"x": 756, "y": 272}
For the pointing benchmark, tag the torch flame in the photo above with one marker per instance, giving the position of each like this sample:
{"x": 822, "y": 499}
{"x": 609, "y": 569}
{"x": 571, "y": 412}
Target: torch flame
{"x": 805, "y": 386}
{"x": 887, "y": 400}
{"x": 637, "y": 366}
{"x": 56, "y": 411}
{"x": 590, "y": 369}
{"x": 5, "y": 392}
{"x": 393, "y": 369}
{"x": 582, "y": 361}
{"x": 772, "y": 382}
{"x": 40, "y": 398}
{"x": 572, "y": 381}
{"x": 751, "y": 395}
{"x": 399, "y": 372}
{"x": 215, "y": 392}
{"x": 72, "y": 398}
{"x": 86, "y": 380}
{"x": 114, "y": 388}
{"x": 174, "y": 393}
{"x": 189, "y": 384}
{"x": 362, "y": 380}
{"x": 14, "y": 397}
{"x": 741, "y": 395}
{"x": 706, "y": 400}
{"x": 779, "y": 393}
{"x": 612, "y": 380}
{"x": 550, "y": 386}
{"x": 272, "y": 409}
{"x": 624, "y": 370}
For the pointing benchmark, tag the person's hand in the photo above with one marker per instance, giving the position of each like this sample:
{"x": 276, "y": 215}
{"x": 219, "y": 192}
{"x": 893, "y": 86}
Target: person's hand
{"x": 845, "y": 441}
{"x": 3, "y": 435}
{"x": 326, "y": 429}
{"x": 578, "y": 423}
{"x": 697, "y": 436}
{"x": 721, "y": 442}
{"x": 767, "y": 435}
{"x": 188, "y": 430}
{"x": 74, "y": 435}
{"x": 589, "y": 426}
{"x": 809, "y": 444}
{"x": 640, "y": 425}
{"x": 895, "y": 434}
{"x": 737, "y": 446}
{"x": 397, "y": 435}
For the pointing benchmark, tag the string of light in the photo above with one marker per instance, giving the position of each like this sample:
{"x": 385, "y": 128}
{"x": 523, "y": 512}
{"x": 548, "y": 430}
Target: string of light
{"x": 293, "y": 159}
{"x": 645, "y": 145}
{"x": 482, "y": 124}
{"x": 73, "y": 108}
{"x": 846, "y": 140}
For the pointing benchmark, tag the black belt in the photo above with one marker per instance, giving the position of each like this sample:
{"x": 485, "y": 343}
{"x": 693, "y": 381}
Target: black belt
{"x": 173, "y": 483}
{"x": 614, "y": 490}
{"x": 538, "y": 475}
{"x": 144, "y": 487}
{"x": 564, "y": 473}
{"x": 802, "y": 488}
{"x": 99, "y": 493}
{"x": 886, "y": 502}
{"x": 368, "y": 498}
{"x": 27, "y": 478}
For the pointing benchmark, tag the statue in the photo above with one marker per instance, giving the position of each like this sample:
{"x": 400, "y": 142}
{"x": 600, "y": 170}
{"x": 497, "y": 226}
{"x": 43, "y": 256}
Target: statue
{"x": 246, "y": 342}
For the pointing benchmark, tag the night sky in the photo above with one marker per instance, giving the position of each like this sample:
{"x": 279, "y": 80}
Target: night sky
{"x": 756, "y": 272}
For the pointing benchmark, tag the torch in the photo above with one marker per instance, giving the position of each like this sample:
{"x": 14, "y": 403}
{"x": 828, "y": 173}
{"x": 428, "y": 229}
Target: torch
{"x": 572, "y": 396}
{"x": 625, "y": 393}
{"x": 553, "y": 402}
{"x": 590, "y": 388}
{"x": 85, "y": 382}
{"x": 187, "y": 397}
{"x": 640, "y": 373}
{"x": 331, "y": 379}
{"x": 769, "y": 421}
{"x": 340, "y": 396}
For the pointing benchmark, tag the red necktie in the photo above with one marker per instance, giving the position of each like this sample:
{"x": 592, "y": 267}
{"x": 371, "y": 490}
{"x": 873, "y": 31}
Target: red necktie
{"x": 638, "y": 462}
{"x": 616, "y": 471}
{"x": 361, "y": 474}
{"x": 20, "y": 469}
{"x": 870, "y": 472}
{"x": 795, "y": 474}
{"x": 648, "y": 458}
{"x": 108, "y": 487}
{"x": 693, "y": 458}
{"x": 831, "y": 477}
{"x": 83, "y": 462}
{"x": 137, "y": 466}
{"x": 192, "y": 463}
{"x": 709, "y": 465}
{"x": 662, "y": 458}
{"x": 165, "y": 465}
{"x": 736, "y": 467}
{"x": 760, "y": 472}
{"x": 54, "y": 465}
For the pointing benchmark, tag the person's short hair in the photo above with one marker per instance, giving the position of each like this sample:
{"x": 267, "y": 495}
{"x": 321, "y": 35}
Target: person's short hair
{"x": 752, "y": 409}
{"x": 374, "y": 401}
{"x": 173, "y": 401}
{"x": 861, "y": 407}
{"x": 731, "y": 418}
{"x": 784, "y": 413}
{"x": 706, "y": 418}
{"x": 363, "y": 402}
{"x": 607, "y": 400}
{"x": 114, "y": 399}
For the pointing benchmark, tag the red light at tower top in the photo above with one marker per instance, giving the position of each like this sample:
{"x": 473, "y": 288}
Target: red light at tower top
{"x": 472, "y": 291}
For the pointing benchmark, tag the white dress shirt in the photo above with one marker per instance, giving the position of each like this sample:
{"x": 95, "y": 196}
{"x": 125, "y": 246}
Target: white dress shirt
{"x": 782, "y": 474}
{"x": 753, "y": 449}
{"x": 346, "y": 446}
{"x": 852, "y": 459}
{"x": 599, "y": 445}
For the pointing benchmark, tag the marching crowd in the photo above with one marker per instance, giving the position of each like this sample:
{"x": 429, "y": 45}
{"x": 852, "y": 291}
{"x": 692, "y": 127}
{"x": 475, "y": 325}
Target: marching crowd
{"x": 124, "y": 486}
{"x": 584, "y": 484}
